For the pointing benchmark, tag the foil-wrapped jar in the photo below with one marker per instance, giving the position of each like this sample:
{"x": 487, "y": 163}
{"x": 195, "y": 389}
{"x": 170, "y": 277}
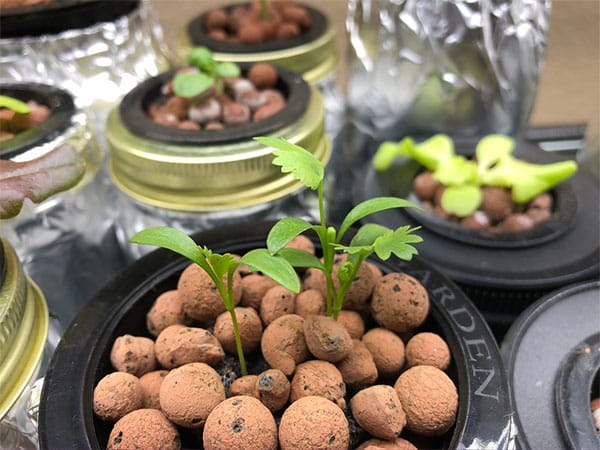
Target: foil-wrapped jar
{"x": 56, "y": 235}
{"x": 194, "y": 180}
{"x": 466, "y": 68}
{"x": 24, "y": 329}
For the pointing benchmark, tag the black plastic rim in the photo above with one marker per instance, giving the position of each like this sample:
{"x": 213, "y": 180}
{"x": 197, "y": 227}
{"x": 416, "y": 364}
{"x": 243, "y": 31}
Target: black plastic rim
{"x": 59, "y": 16}
{"x": 573, "y": 388}
{"x": 541, "y": 405}
{"x": 196, "y": 31}
{"x": 62, "y": 109}
{"x": 134, "y": 106}
{"x": 571, "y": 255}
{"x": 82, "y": 356}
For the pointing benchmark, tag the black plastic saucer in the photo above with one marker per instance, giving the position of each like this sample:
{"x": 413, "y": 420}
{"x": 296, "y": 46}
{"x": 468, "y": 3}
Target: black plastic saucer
{"x": 83, "y": 355}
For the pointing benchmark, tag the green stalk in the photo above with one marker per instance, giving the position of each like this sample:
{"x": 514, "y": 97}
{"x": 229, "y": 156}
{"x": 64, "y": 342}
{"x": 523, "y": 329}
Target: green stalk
{"x": 344, "y": 288}
{"x": 264, "y": 10}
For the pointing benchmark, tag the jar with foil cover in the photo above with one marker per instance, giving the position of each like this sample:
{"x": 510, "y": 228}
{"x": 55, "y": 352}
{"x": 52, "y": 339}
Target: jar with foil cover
{"x": 311, "y": 51}
{"x": 24, "y": 329}
{"x": 52, "y": 201}
{"x": 199, "y": 179}
{"x": 97, "y": 50}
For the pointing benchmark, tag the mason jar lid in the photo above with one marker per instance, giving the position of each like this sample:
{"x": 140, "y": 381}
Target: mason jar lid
{"x": 211, "y": 177}
{"x": 23, "y": 328}
{"x": 314, "y": 56}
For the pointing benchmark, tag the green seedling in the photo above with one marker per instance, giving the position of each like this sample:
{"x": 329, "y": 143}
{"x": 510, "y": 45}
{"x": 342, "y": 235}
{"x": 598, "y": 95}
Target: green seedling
{"x": 221, "y": 268}
{"x": 211, "y": 74}
{"x": 369, "y": 239}
{"x": 14, "y": 104}
{"x": 463, "y": 178}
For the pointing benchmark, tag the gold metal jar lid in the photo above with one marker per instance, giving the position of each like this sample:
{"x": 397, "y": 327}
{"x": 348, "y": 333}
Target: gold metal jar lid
{"x": 213, "y": 177}
{"x": 315, "y": 59}
{"x": 23, "y": 328}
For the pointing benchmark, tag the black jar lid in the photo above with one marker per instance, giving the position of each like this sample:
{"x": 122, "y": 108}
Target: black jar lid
{"x": 552, "y": 356}
{"x": 60, "y": 15}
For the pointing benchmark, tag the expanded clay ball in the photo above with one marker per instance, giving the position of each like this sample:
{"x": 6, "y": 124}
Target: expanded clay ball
{"x": 428, "y": 349}
{"x": 595, "y": 407}
{"x": 358, "y": 368}
{"x": 199, "y": 296}
{"x": 353, "y": 322}
{"x": 314, "y": 423}
{"x": 400, "y": 302}
{"x": 189, "y": 393}
{"x": 283, "y": 344}
{"x": 310, "y": 302}
{"x": 241, "y": 423}
{"x": 166, "y": 310}
{"x": 246, "y": 385}
{"x": 178, "y": 345}
{"x": 301, "y": 242}
{"x": 273, "y": 389}
{"x": 254, "y": 288}
{"x": 387, "y": 350}
{"x": 146, "y": 429}
{"x": 117, "y": 394}
{"x": 378, "y": 410}
{"x": 133, "y": 354}
{"x": 250, "y": 328}
{"x": 378, "y": 444}
{"x": 429, "y": 399}
{"x": 326, "y": 338}
{"x": 277, "y": 302}
{"x": 320, "y": 378}
{"x": 263, "y": 75}
{"x": 496, "y": 202}
{"x": 150, "y": 383}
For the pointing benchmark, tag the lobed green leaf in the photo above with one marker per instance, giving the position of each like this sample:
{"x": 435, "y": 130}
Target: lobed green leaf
{"x": 398, "y": 243}
{"x": 222, "y": 264}
{"x": 275, "y": 267}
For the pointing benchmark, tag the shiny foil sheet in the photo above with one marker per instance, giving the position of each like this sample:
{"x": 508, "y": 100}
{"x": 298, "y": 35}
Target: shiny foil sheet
{"x": 462, "y": 67}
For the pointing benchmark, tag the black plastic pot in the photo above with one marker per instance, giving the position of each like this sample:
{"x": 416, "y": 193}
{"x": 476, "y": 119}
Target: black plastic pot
{"x": 552, "y": 356}
{"x": 55, "y": 17}
{"x": 61, "y": 107}
{"x": 82, "y": 358}
{"x": 504, "y": 274}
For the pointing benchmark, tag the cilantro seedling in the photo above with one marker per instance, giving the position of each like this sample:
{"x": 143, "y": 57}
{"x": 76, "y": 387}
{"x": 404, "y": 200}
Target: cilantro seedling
{"x": 14, "y": 104}
{"x": 221, "y": 268}
{"x": 369, "y": 239}
{"x": 463, "y": 178}
{"x": 211, "y": 73}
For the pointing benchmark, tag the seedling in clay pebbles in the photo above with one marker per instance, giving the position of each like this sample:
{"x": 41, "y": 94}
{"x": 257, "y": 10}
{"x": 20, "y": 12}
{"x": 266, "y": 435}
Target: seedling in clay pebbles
{"x": 318, "y": 382}
{"x": 258, "y": 22}
{"x": 17, "y": 116}
{"x": 210, "y": 95}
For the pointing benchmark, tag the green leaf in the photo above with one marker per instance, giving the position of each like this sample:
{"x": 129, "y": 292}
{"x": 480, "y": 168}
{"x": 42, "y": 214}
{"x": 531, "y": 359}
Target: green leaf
{"x": 434, "y": 152}
{"x": 221, "y": 264}
{"x": 190, "y": 85}
{"x": 228, "y": 70}
{"x": 284, "y": 232}
{"x": 369, "y": 207}
{"x": 275, "y": 267}
{"x": 398, "y": 243}
{"x": 345, "y": 273}
{"x": 171, "y": 239}
{"x": 462, "y": 201}
{"x": 300, "y": 258}
{"x": 202, "y": 58}
{"x": 534, "y": 180}
{"x": 456, "y": 171}
{"x": 389, "y": 151}
{"x": 14, "y": 104}
{"x": 292, "y": 158}
{"x": 368, "y": 233}
{"x": 492, "y": 148}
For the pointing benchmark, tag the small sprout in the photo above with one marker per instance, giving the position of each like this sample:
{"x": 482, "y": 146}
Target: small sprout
{"x": 211, "y": 73}
{"x": 220, "y": 267}
{"x": 14, "y": 104}
{"x": 368, "y": 240}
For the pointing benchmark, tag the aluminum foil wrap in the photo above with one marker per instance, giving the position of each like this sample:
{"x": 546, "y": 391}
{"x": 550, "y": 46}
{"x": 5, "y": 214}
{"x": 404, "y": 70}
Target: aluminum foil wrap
{"x": 461, "y": 67}
{"x": 97, "y": 64}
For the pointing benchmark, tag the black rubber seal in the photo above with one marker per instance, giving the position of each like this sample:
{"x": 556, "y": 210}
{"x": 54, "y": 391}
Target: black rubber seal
{"x": 62, "y": 109}
{"x": 134, "y": 113}
{"x": 83, "y": 355}
{"x": 197, "y": 33}
{"x": 573, "y": 387}
{"x": 59, "y": 16}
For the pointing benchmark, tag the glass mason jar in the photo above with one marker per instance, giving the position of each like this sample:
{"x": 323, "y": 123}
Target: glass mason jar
{"x": 194, "y": 180}
{"x": 313, "y": 54}
{"x": 58, "y": 239}
{"x": 26, "y": 346}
